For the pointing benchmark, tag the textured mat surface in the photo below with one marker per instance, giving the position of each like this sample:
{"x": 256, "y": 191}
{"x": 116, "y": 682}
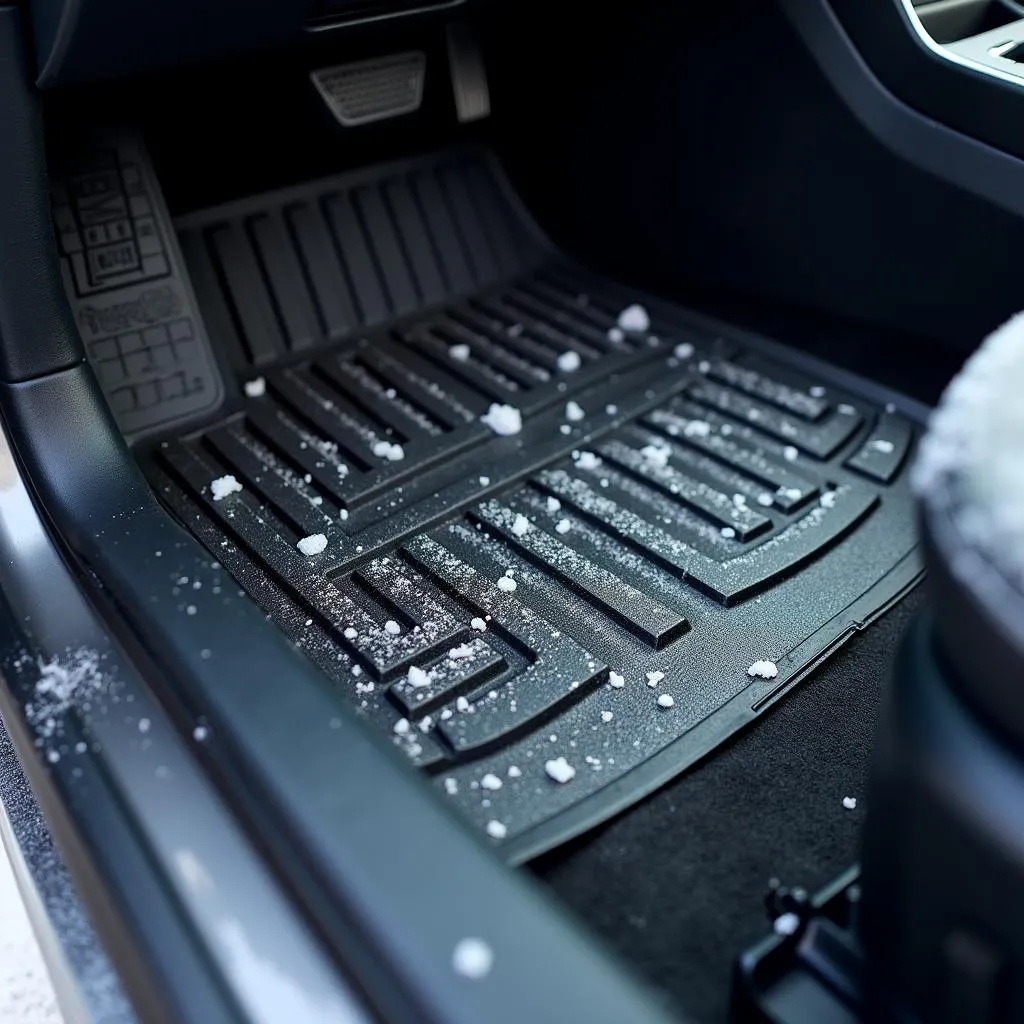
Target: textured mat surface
{"x": 676, "y": 886}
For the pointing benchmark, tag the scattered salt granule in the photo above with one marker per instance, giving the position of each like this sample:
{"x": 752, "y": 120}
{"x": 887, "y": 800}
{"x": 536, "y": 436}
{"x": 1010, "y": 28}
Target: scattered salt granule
{"x": 451, "y": 786}
{"x": 616, "y": 681}
{"x": 573, "y": 412}
{"x": 828, "y": 499}
{"x": 490, "y": 781}
{"x": 389, "y": 451}
{"x": 553, "y": 504}
{"x": 563, "y": 526}
{"x": 461, "y": 704}
{"x": 417, "y": 678}
{"x": 559, "y": 769}
{"x": 850, "y": 803}
{"x": 313, "y": 544}
{"x": 763, "y": 670}
{"x": 727, "y": 532}
{"x": 786, "y": 924}
{"x": 817, "y": 391}
{"x": 684, "y": 350}
{"x": 504, "y": 420}
{"x": 496, "y": 830}
{"x": 485, "y": 481}
{"x": 588, "y": 460}
{"x": 351, "y": 633}
{"x": 606, "y": 716}
{"x": 145, "y": 725}
{"x": 255, "y": 388}
{"x": 506, "y": 584}
{"x": 460, "y": 353}
{"x": 401, "y": 727}
{"x": 520, "y": 525}
{"x": 514, "y": 772}
{"x": 392, "y": 627}
{"x": 655, "y": 677}
{"x": 665, "y": 701}
{"x": 790, "y": 454}
{"x": 472, "y": 958}
{"x": 615, "y": 335}
{"x": 883, "y": 446}
{"x": 569, "y": 362}
{"x": 199, "y": 733}
{"x": 223, "y": 486}
{"x": 656, "y": 454}
{"x": 634, "y": 319}
{"x": 478, "y": 624}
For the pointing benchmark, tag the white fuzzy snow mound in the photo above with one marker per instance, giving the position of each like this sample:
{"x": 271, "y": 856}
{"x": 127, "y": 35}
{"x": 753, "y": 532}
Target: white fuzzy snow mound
{"x": 223, "y": 486}
{"x": 417, "y": 677}
{"x": 634, "y": 319}
{"x": 255, "y": 388}
{"x": 460, "y": 353}
{"x": 560, "y": 770}
{"x": 574, "y": 412}
{"x": 472, "y": 958}
{"x": 313, "y": 544}
{"x": 504, "y": 420}
{"x": 569, "y": 362}
{"x": 763, "y": 670}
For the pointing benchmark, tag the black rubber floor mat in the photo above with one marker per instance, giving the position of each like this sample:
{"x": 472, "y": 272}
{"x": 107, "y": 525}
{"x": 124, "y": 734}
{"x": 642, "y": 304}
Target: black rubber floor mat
{"x": 550, "y": 623}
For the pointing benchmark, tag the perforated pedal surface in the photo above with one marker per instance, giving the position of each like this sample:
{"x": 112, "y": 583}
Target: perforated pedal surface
{"x": 373, "y": 90}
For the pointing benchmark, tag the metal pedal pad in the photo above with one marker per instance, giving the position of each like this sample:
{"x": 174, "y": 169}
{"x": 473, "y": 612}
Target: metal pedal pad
{"x": 468, "y": 73}
{"x": 373, "y": 90}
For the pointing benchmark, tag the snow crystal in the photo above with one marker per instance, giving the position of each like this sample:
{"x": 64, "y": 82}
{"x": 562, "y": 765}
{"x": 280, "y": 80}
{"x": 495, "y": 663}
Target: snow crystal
{"x": 496, "y": 830}
{"x": 559, "y": 769}
{"x": 343, "y": 514}
{"x": 417, "y": 678}
{"x": 890, "y": 407}
{"x": 573, "y": 412}
{"x": 611, "y": 409}
{"x": 255, "y": 388}
{"x": 565, "y": 429}
{"x": 727, "y": 532}
{"x": 313, "y": 544}
{"x": 485, "y": 481}
{"x": 200, "y": 733}
{"x": 401, "y": 727}
{"x": 665, "y": 701}
{"x": 684, "y": 350}
{"x": 656, "y": 454}
{"x": 478, "y": 624}
{"x": 514, "y": 772}
{"x": 697, "y": 428}
{"x": 553, "y": 504}
{"x": 606, "y": 716}
{"x": 563, "y": 526}
{"x": 616, "y": 681}
{"x": 616, "y": 336}
{"x": 588, "y": 460}
{"x": 817, "y": 391}
{"x": 520, "y": 525}
{"x": 145, "y": 725}
{"x": 828, "y": 499}
{"x": 634, "y": 319}
{"x": 392, "y": 627}
{"x": 765, "y": 500}
{"x": 506, "y": 584}
{"x": 451, "y": 786}
{"x": 786, "y": 924}
{"x": 504, "y": 420}
{"x": 351, "y": 633}
{"x": 490, "y": 781}
{"x": 790, "y": 454}
{"x": 655, "y": 677}
{"x": 461, "y": 652}
{"x": 223, "y": 486}
{"x": 389, "y": 451}
{"x": 883, "y": 446}
{"x": 460, "y": 353}
{"x": 461, "y": 704}
{"x": 846, "y": 409}
{"x": 569, "y": 362}
{"x": 850, "y": 803}
{"x": 472, "y": 958}
{"x": 763, "y": 670}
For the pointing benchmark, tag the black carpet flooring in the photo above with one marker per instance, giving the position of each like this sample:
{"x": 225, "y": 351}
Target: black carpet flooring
{"x": 676, "y": 885}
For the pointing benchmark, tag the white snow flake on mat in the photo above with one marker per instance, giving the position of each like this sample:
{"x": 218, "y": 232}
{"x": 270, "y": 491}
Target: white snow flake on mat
{"x": 200, "y": 733}
{"x": 634, "y": 319}
{"x": 485, "y": 481}
{"x": 574, "y": 412}
{"x": 451, "y": 786}
{"x": 461, "y": 652}
{"x": 389, "y": 451}
{"x": 553, "y": 504}
{"x": 461, "y": 704}
{"x": 883, "y": 446}
{"x": 496, "y": 830}
{"x": 255, "y": 388}
{"x": 665, "y": 701}
{"x": 514, "y": 772}
{"x": 223, "y": 486}
{"x": 727, "y": 532}
{"x": 828, "y": 499}
{"x": 392, "y": 627}
{"x": 684, "y": 350}
{"x": 587, "y": 460}
{"x": 616, "y": 681}
{"x": 351, "y": 633}
{"x": 846, "y": 409}
{"x": 655, "y": 677}
{"x": 850, "y": 803}
{"x": 74, "y": 680}
{"x": 401, "y": 727}
{"x": 697, "y": 428}
{"x": 765, "y": 500}
{"x": 606, "y": 716}
{"x": 763, "y": 670}
{"x": 490, "y": 781}
{"x": 478, "y": 624}
{"x": 656, "y": 454}
{"x": 472, "y": 959}
{"x": 817, "y": 391}
{"x": 560, "y": 770}
{"x": 616, "y": 336}
{"x": 520, "y": 525}
{"x": 790, "y": 454}
{"x": 506, "y": 584}
{"x": 417, "y": 677}
{"x": 504, "y": 420}
{"x": 563, "y": 526}
{"x": 786, "y": 924}
{"x": 460, "y": 353}
{"x": 313, "y": 544}
{"x": 569, "y": 362}
{"x": 611, "y": 409}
